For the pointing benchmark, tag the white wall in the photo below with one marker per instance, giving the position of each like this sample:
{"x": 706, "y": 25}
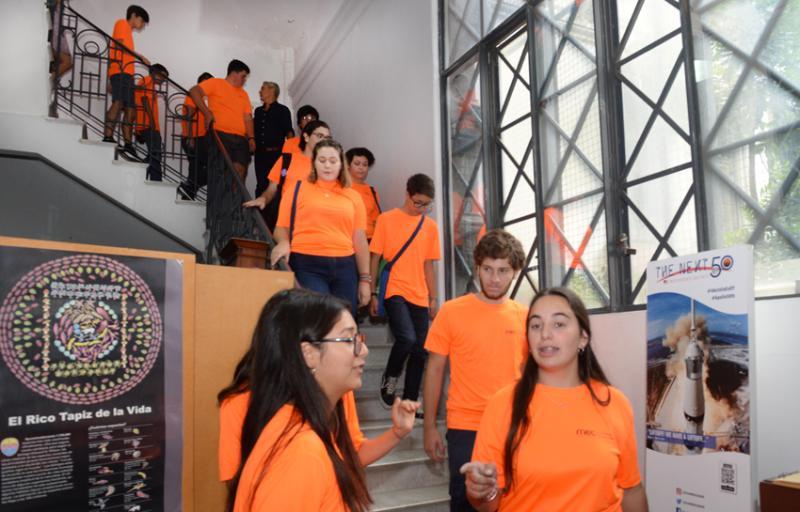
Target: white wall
{"x": 373, "y": 78}
{"x": 24, "y": 59}
{"x": 619, "y": 341}
{"x": 777, "y": 366}
{"x": 185, "y": 37}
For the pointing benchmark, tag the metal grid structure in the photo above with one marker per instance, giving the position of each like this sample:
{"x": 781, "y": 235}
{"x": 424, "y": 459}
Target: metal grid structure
{"x": 602, "y": 145}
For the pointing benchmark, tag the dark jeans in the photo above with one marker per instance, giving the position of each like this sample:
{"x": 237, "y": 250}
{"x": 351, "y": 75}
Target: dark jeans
{"x": 264, "y": 160}
{"x": 197, "y": 156}
{"x": 152, "y": 139}
{"x": 263, "y": 164}
{"x": 331, "y": 275}
{"x": 409, "y": 325}
{"x": 459, "y": 452}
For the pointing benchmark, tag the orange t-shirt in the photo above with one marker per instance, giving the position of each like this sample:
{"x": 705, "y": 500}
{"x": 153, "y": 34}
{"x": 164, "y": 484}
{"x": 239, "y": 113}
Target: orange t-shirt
{"x": 231, "y": 418}
{"x": 229, "y": 105}
{"x": 407, "y": 278}
{"x": 300, "y": 476}
{"x": 120, "y": 61}
{"x": 292, "y": 145}
{"x": 370, "y": 204}
{"x": 327, "y": 217}
{"x": 196, "y": 126}
{"x": 299, "y": 169}
{"x": 576, "y": 454}
{"x": 145, "y": 92}
{"x": 486, "y": 345}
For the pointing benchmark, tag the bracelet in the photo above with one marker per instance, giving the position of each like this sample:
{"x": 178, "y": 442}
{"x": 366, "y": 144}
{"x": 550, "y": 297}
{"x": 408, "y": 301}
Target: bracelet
{"x": 366, "y": 278}
{"x": 491, "y": 496}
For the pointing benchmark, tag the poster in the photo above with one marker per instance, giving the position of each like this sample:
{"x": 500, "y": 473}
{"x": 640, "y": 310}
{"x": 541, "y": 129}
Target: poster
{"x": 89, "y": 411}
{"x": 699, "y": 374}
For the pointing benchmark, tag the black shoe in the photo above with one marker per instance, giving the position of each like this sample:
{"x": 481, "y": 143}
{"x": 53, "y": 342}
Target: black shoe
{"x": 388, "y": 387}
{"x": 128, "y": 152}
{"x": 109, "y": 139}
{"x": 183, "y": 192}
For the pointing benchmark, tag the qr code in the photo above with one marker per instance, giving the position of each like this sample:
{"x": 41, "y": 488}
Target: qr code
{"x": 727, "y": 477}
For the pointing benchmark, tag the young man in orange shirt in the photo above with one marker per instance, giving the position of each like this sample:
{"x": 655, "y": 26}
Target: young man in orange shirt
{"x": 410, "y": 294}
{"x": 305, "y": 115}
{"x": 147, "y": 124}
{"x": 193, "y": 136}
{"x": 483, "y": 335}
{"x": 230, "y": 110}
{"x": 120, "y": 74}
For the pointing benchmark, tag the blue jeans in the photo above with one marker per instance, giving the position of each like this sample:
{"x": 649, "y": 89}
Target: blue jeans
{"x": 409, "y": 325}
{"x": 459, "y": 452}
{"x": 330, "y": 275}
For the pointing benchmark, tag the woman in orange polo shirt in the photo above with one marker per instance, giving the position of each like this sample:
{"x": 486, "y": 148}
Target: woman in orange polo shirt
{"x": 288, "y": 170}
{"x": 561, "y": 438}
{"x": 235, "y": 399}
{"x": 321, "y": 229}
{"x": 297, "y": 453}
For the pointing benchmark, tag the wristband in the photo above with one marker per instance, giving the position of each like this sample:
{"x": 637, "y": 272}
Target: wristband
{"x": 365, "y": 278}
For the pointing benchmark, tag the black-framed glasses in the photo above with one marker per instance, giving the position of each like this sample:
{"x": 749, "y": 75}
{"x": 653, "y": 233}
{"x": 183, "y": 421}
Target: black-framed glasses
{"x": 358, "y": 340}
{"x": 422, "y": 205}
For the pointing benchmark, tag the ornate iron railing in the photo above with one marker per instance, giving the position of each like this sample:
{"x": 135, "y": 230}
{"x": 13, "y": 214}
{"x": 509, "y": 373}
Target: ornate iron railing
{"x": 84, "y": 93}
{"x": 225, "y": 217}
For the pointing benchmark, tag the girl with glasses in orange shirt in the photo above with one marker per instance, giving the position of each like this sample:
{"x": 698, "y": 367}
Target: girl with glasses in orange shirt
{"x": 296, "y": 449}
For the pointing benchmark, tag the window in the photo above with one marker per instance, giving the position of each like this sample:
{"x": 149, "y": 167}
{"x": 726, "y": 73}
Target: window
{"x": 605, "y": 136}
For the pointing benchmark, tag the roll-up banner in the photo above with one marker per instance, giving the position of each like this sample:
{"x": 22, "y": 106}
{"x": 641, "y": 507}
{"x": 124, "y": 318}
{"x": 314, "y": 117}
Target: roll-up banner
{"x": 90, "y": 381}
{"x": 699, "y": 375}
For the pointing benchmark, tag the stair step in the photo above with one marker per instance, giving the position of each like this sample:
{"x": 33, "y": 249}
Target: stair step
{"x": 124, "y": 163}
{"x": 413, "y": 441}
{"x": 405, "y": 469}
{"x": 429, "y": 499}
{"x": 90, "y": 142}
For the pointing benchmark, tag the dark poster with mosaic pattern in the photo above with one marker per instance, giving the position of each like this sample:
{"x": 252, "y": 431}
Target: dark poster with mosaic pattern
{"x": 82, "y": 400}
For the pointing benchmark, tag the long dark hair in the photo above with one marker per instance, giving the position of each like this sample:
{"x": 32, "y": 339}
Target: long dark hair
{"x": 588, "y": 370}
{"x": 275, "y": 373}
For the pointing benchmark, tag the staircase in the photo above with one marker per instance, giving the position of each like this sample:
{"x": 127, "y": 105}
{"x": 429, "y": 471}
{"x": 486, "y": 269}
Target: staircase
{"x": 60, "y": 140}
{"x": 405, "y": 479}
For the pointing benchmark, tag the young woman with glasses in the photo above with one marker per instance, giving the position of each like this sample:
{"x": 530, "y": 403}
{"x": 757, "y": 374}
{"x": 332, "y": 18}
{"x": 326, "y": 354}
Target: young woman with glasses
{"x": 292, "y": 398}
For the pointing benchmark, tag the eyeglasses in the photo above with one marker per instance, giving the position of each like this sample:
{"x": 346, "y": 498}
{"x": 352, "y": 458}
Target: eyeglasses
{"x": 422, "y": 205}
{"x": 358, "y": 340}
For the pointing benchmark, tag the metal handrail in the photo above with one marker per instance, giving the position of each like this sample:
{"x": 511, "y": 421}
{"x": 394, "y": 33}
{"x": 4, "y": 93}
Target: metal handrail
{"x": 85, "y": 95}
{"x": 226, "y": 218}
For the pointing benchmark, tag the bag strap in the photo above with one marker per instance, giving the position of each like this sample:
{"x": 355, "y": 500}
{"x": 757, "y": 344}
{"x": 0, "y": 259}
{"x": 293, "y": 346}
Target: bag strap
{"x": 375, "y": 197}
{"x": 294, "y": 210}
{"x": 408, "y": 242}
{"x": 286, "y": 161}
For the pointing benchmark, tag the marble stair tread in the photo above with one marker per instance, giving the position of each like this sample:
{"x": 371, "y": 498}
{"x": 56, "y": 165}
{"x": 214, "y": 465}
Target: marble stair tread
{"x": 420, "y": 498}
{"x": 396, "y": 457}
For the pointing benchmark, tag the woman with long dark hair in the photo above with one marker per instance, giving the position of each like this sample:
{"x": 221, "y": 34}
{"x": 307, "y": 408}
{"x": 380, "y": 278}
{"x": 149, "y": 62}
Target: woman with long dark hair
{"x": 296, "y": 451}
{"x": 561, "y": 438}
